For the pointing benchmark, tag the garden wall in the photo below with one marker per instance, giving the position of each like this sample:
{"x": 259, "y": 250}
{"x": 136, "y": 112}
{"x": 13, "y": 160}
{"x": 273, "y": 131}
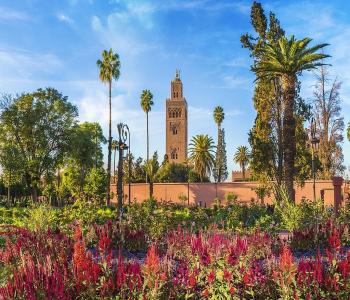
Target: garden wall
{"x": 204, "y": 193}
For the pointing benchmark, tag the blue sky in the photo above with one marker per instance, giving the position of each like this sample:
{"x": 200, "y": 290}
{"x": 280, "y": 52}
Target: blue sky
{"x": 56, "y": 43}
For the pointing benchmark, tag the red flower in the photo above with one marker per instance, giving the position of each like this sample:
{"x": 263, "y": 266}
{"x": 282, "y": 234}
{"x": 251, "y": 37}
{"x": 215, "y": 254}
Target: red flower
{"x": 232, "y": 290}
{"x": 286, "y": 260}
{"x": 211, "y": 276}
{"x": 206, "y": 293}
{"x": 334, "y": 240}
{"x": 192, "y": 281}
{"x": 152, "y": 264}
{"x": 227, "y": 275}
{"x": 246, "y": 278}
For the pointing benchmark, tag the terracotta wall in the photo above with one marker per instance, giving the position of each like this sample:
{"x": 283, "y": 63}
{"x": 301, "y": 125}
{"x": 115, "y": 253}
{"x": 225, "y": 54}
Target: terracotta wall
{"x": 205, "y": 193}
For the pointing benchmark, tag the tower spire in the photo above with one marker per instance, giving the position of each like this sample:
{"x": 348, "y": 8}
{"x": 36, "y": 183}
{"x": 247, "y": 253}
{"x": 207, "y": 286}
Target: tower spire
{"x": 177, "y": 76}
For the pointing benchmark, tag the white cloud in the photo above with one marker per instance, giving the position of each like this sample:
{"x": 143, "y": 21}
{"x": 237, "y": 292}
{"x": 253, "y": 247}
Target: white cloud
{"x": 125, "y": 39}
{"x": 23, "y": 64}
{"x": 64, "y": 18}
{"x": 10, "y": 14}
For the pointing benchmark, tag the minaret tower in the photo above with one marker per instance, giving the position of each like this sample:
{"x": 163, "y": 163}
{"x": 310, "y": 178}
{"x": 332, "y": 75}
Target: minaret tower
{"x": 176, "y": 122}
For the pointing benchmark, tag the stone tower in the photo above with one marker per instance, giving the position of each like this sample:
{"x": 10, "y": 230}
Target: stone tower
{"x": 176, "y": 122}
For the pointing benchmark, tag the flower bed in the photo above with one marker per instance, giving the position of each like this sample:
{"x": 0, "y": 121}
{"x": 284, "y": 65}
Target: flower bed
{"x": 212, "y": 264}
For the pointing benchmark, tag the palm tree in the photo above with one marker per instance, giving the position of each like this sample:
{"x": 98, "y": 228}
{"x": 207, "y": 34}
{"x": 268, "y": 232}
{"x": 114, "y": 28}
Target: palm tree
{"x": 114, "y": 148}
{"x": 242, "y": 157}
{"x": 286, "y": 59}
{"x": 219, "y": 117}
{"x": 202, "y": 154}
{"x": 151, "y": 168}
{"x": 109, "y": 68}
{"x": 146, "y": 104}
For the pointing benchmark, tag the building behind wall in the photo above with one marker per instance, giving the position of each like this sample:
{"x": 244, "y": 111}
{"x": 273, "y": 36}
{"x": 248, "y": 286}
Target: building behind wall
{"x": 176, "y": 123}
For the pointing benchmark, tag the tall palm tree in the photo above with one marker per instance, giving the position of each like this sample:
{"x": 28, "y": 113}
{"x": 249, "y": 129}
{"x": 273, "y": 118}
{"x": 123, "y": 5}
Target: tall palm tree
{"x": 242, "y": 157}
{"x": 109, "y": 68}
{"x": 286, "y": 59}
{"x": 202, "y": 154}
{"x": 114, "y": 148}
{"x": 146, "y": 104}
{"x": 219, "y": 117}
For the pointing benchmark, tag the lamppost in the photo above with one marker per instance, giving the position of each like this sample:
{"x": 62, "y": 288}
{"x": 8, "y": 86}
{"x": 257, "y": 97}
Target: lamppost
{"x": 124, "y": 135}
{"x": 314, "y": 145}
{"x": 188, "y": 183}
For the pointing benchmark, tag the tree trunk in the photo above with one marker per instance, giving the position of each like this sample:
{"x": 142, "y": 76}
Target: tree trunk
{"x": 147, "y": 143}
{"x": 9, "y": 195}
{"x": 288, "y": 83}
{"x": 108, "y": 196}
{"x": 243, "y": 171}
{"x": 115, "y": 152}
{"x": 150, "y": 190}
{"x": 34, "y": 193}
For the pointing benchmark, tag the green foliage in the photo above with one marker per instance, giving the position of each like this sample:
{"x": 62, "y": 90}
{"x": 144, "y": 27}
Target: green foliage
{"x": 242, "y": 157}
{"x": 220, "y": 171}
{"x": 41, "y": 123}
{"x": 173, "y": 172}
{"x": 202, "y": 155}
{"x": 95, "y": 184}
{"x": 146, "y": 101}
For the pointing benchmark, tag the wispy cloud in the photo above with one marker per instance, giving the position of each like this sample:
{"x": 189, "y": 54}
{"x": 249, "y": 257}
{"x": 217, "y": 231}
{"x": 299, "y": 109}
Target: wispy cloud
{"x": 64, "y": 18}
{"x": 8, "y": 14}
{"x": 21, "y": 63}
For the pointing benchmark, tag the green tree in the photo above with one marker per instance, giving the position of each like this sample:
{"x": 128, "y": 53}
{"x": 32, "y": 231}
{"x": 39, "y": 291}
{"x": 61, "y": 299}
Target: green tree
{"x": 265, "y": 137}
{"x": 202, "y": 155}
{"x": 242, "y": 157}
{"x": 286, "y": 60}
{"x": 146, "y": 104}
{"x": 94, "y": 187}
{"x": 329, "y": 124}
{"x": 109, "y": 68}
{"x": 41, "y": 125}
{"x": 219, "y": 116}
{"x": 151, "y": 168}
{"x": 173, "y": 172}
{"x": 86, "y": 151}
{"x": 220, "y": 173}
{"x": 139, "y": 173}
{"x": 12, "y": 166}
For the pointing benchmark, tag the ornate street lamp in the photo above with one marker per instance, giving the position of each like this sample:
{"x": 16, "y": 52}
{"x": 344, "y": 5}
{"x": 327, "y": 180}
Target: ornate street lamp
{"x": 124, "y": 135}
{"x": 314, "y": 146}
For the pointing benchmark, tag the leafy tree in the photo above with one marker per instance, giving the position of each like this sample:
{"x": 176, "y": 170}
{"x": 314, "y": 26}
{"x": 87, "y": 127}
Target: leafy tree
{"x": 202, "y": 155}
{"x": 41, "y": 125}
{"x": 139, "y": 173}
{"x": 242, "y": 157}
{"x": 86, "y": 152}
{"x": 94, "y": 187}
{"x": 285, "y": 60}
{"x": 329, "y": 124}
{"x": 109, "y": 68}
{"x": 266, "y": 136}
{"x": 12, "y": 166}
{"x": 146, "y": 104}
{"x": 173, "y": 172}
{"x": 220, "y": 173}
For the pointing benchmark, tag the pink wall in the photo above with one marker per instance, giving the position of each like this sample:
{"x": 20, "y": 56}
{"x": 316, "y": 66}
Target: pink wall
{"x": 206, "y": 192}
